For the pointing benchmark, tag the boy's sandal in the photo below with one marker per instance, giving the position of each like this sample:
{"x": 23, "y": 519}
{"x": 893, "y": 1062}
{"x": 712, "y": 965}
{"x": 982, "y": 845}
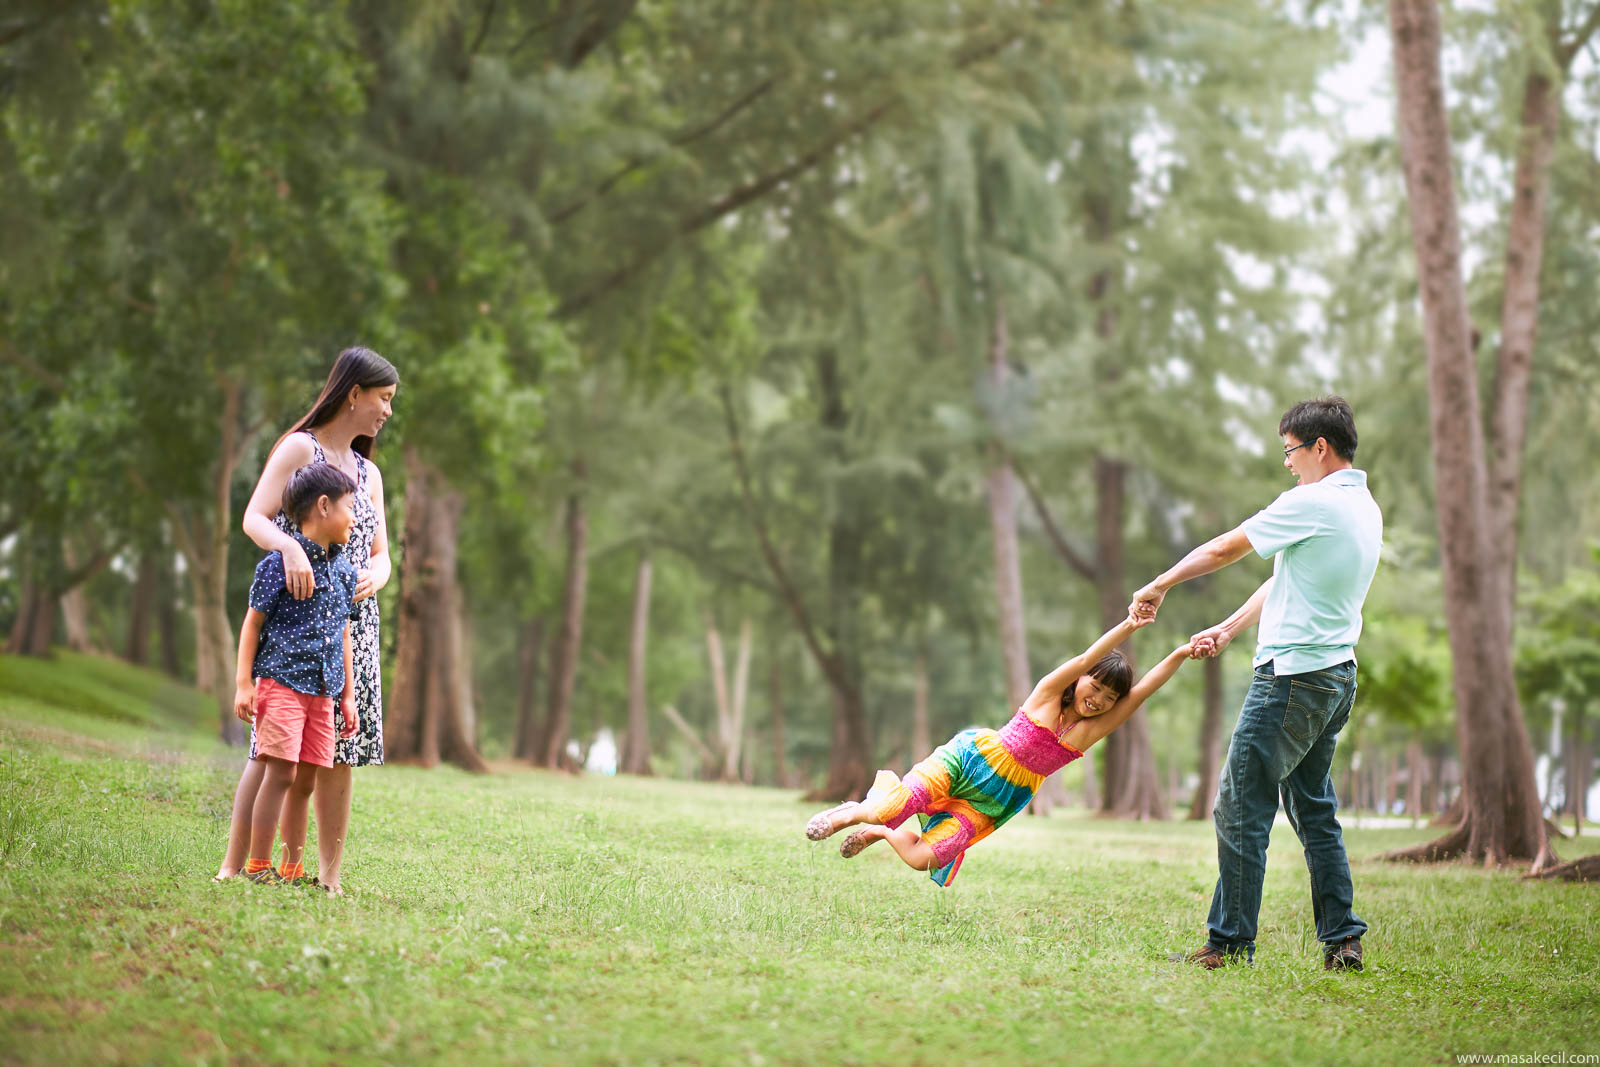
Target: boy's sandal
{"x": 855, "y": 843}
{"x": 820, "y": 827}
{"x": 267, "y": 877}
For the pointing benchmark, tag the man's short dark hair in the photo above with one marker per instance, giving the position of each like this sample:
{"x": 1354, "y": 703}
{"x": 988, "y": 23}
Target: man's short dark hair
{"x": 311, "y": 482}
{"x": 1327, "y": 417}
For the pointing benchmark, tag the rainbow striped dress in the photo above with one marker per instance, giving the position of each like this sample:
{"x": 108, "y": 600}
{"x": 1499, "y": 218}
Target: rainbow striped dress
{"x": 970, "y": 786}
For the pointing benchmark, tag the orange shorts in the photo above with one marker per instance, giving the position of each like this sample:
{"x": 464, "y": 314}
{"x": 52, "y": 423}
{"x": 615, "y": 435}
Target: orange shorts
{"x": 293, "y": 726}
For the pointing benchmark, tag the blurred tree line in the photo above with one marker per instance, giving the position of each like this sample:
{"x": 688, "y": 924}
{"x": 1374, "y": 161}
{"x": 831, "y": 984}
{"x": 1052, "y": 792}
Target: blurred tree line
{"x": 784, "y": 386}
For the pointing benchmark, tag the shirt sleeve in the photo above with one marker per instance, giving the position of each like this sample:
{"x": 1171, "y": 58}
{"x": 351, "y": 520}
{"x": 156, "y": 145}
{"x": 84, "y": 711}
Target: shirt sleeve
{"x": 268, "y": 583}
{"x": 1288, "y": 520}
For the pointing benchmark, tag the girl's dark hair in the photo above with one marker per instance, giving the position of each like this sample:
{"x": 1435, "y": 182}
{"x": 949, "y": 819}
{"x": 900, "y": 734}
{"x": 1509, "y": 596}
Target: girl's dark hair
{"x": 309, "y": 484}
{"x": 1327, "y": 417}
{"x": 355, "y": 366}
{"x": 1113, "y": 671}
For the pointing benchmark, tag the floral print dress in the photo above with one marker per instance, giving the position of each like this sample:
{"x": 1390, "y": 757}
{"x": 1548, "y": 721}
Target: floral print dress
{"x": 365, "y": 749}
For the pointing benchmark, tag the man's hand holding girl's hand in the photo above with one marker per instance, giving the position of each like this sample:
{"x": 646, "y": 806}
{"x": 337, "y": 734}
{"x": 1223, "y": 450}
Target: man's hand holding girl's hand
{"x": 1139, "y": 622}
{"x": 1146, "y": 602}
{"x": 1210, "y": 643}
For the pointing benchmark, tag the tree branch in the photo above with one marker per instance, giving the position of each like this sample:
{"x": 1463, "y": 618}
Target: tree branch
{"x": 76, "y": 577}
{"x": 48, "y": 378}
{"x": 677, "y": 141}
{"x": 791, "y": 595}
{"x": 1087, "y": 570}
{"x": 1569, "y": 48}
{"x": 706, "y": 758}
{"x": 17, "y": 30}
{"x": 597, "y": 32}
{"x": 483, "y": 28}
{"x": 744, "y": 194}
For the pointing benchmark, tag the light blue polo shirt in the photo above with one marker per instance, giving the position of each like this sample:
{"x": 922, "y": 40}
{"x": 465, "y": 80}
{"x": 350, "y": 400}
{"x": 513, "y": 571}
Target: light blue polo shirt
{"x": 1325, "y": 538}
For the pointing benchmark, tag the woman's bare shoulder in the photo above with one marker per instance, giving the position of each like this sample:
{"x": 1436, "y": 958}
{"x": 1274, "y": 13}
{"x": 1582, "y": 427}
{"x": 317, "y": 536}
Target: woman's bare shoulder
{"x": 295, "y": 448}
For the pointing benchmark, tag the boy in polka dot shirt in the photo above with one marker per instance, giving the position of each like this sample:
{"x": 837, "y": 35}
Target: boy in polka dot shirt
{"x": 294, "y": 664}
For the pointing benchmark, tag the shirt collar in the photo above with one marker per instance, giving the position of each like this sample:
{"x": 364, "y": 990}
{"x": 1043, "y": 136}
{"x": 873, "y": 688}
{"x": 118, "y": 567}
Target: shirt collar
{"x": 314, "y": 551}
{"x": 1348, "y": 476}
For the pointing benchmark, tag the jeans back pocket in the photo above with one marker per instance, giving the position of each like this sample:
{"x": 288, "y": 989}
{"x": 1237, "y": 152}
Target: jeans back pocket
{"x": 1308, "y": 709}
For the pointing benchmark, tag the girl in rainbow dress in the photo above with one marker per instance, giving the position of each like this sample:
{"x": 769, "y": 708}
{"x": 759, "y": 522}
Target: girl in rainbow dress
{"x": 978, "y": 779}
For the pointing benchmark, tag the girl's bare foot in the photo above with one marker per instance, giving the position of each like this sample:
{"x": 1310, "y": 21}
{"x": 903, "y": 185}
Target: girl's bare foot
{"x": 224, "y": 873}
{"x": 859, "y": 840}
{"x": 825, "y": 824}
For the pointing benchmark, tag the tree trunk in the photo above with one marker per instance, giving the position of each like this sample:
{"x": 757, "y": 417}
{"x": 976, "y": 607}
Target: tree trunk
{"x": 1205, "y": 791}
{"x": 530, "y": 651}
{"x": 835, "y": 652}
{"x": 719, "y": 698}
{"x": 1414, "y": 774}
{"x": 1003, "y": 529}
{"x": 1503, "y": 821}
{"x": 564, "y": 666}
{"x": 215, "y": 649}
{"x": 741, "y": 687}
{"x": 636, "y": 746}
{"x": 74, "y": 604}
{"x": 849, "y": 772}
{"x": 141, "y": 601}
{"x": 430, "y": 708}
{"x": 1129, "y": 788}
{"x": 35, "y": 624}
{"x": 747, "y": 759}
{"x": 1519, "y": 327}
{"x": 921, "y": 735}
{"x": 167, "y": 614}
{"x": 459, "y": 723}
{"x": 1001, "y": 486}
{"x": 1579, "y": 763}
{"x": 779, "y": 745}
{"x": 402, "y": 713}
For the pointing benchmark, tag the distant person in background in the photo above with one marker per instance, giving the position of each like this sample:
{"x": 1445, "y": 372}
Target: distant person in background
{"x": 1324, "y": 536}
{"x": 294, "y": 666}
{"x": 356, "y": 401}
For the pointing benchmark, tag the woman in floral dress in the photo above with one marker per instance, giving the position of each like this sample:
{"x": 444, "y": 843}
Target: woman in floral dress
{"x": 339, "y": 429}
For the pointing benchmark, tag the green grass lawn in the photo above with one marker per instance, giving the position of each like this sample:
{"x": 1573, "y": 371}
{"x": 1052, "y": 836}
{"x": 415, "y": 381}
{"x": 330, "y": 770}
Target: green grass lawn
{"x": 534, "y": 917}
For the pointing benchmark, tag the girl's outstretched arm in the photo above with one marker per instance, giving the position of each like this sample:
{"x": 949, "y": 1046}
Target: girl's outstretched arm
{"x": 1046, "y": 696}
{"x": 1091, "y": 730}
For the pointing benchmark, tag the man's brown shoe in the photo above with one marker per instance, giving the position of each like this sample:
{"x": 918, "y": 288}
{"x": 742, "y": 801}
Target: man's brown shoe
{"x": 1345, "y": 956}
{"x": 1206, "y": 956}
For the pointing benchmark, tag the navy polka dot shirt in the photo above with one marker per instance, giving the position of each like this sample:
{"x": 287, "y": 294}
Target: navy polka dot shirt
{"x": 302, "y": 641}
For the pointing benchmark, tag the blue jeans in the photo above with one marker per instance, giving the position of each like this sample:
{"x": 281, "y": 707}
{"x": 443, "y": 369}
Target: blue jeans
{"x": 1283, "y": 746}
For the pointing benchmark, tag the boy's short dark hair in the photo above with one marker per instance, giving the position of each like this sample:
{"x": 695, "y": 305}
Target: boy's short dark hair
{"x": 311, "y": 482}
{"x": 1327, "y": 417}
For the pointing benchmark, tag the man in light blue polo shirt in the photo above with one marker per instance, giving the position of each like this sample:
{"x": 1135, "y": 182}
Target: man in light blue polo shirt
{"x": 1323, "y": 536}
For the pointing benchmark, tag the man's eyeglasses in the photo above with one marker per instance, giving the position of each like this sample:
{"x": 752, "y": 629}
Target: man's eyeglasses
{"x": 1303, "y": 444}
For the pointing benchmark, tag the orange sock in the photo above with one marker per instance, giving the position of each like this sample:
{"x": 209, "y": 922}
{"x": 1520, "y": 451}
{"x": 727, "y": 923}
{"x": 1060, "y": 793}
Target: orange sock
{"x": 255, "y": 866}
{"x": 291, "y": 871}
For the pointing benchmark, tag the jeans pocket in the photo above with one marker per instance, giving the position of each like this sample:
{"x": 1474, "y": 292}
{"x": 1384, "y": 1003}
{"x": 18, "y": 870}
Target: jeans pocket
{"x": 1307, "y": 711}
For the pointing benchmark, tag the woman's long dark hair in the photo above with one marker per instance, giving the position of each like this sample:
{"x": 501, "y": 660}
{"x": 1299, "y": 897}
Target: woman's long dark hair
{"x": 355, "y": 366}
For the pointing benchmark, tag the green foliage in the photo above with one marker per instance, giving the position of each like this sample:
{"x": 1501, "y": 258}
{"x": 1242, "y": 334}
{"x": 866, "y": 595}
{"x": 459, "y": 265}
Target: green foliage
{"x": 1558, "y": 645}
